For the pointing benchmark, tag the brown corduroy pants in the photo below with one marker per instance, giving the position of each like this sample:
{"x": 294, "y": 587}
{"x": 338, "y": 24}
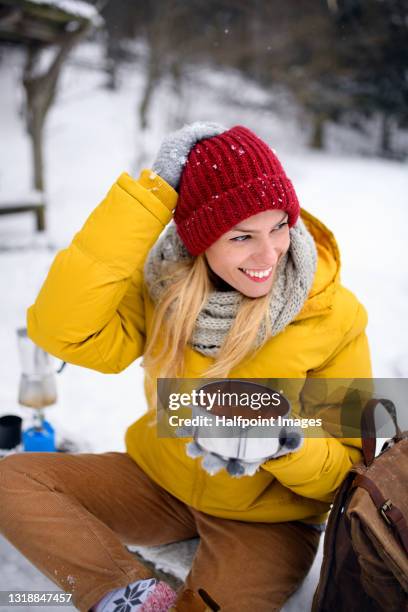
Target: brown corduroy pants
{"x": 72, "y": 514}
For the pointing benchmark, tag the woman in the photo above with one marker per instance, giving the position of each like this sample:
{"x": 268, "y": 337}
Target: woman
{"x": 241, "y": 285}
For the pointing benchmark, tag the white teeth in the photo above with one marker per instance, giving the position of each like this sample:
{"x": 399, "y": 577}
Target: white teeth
{"x": 260, "y": 274}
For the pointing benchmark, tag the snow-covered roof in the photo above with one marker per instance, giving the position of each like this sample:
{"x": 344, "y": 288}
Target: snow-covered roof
{"x": 75, "y": 8}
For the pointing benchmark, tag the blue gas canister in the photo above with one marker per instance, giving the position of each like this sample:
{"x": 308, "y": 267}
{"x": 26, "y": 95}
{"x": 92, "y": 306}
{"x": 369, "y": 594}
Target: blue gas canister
{"x": 39, "y": 438}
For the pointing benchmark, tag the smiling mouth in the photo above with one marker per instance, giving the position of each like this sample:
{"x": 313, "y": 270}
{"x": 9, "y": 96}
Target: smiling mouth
{"x": 258, "y": 276}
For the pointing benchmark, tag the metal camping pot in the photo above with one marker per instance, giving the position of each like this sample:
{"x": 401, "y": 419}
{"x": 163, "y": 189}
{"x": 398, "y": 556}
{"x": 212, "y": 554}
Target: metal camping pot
{"x": 10, "y": 431}
{"x": 252, "y": 443}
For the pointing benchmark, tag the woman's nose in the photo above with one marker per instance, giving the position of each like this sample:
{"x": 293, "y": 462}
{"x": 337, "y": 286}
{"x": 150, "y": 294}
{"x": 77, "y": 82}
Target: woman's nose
{"x": 266, "y": 254}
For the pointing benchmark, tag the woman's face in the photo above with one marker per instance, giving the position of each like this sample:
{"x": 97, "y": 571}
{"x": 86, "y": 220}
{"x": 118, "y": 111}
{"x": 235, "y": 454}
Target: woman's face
{"x": 246, "y": 256}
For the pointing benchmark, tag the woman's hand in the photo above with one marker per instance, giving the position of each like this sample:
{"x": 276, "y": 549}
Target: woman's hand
{"x": 175, "y": 148}
{"x": 290, "y": 440}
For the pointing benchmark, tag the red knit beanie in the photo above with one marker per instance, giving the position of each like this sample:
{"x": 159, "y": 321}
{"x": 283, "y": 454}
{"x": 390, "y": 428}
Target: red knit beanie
{"x": 226, "y": 179}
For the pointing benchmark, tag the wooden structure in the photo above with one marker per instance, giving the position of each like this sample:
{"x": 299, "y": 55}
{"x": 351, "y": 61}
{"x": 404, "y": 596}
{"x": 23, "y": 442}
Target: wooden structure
{"x": 26, "y": 204}
{"x": 36, "y": 25}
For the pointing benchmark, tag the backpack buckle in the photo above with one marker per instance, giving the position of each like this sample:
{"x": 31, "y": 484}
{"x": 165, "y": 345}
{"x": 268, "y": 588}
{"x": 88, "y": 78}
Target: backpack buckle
{"x": 387, "y": 505}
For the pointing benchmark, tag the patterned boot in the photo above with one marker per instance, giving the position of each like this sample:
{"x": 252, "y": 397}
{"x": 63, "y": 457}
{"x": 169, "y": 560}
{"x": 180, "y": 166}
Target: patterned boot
{"x": 142, "y": 596}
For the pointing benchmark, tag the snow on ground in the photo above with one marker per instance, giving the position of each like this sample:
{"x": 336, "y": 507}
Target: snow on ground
{"x": 92, "y": 135}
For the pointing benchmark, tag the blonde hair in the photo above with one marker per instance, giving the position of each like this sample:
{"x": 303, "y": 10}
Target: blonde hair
{"x": 175, "y": 316}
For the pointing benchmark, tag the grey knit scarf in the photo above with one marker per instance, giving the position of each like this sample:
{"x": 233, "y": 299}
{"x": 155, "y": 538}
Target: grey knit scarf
{"x": 294, "y": 278}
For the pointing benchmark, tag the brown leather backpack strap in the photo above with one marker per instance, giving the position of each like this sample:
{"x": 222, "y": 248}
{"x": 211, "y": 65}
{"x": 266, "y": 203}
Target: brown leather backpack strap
{"x": 389, "y": 512}
{"x": 368, "y": 430}
{"x": 331, "y": 549}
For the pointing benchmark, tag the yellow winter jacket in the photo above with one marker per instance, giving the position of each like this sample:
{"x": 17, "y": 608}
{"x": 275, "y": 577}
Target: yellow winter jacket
{"x": 94, "y": 310}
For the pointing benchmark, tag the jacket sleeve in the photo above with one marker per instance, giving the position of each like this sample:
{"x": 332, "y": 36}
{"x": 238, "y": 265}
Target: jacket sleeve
{"x": 321, "y": 464}
{"x": 90, "y": 309}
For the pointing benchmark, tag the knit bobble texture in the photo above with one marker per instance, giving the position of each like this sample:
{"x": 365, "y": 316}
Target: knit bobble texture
{"x": 226, "y": 179}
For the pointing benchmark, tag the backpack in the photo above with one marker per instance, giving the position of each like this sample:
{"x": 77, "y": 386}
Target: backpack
{"x": 365, "y": 556}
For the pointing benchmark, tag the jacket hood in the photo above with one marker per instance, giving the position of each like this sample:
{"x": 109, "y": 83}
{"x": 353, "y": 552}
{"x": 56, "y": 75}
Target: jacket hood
{"x": 327, "y": 277}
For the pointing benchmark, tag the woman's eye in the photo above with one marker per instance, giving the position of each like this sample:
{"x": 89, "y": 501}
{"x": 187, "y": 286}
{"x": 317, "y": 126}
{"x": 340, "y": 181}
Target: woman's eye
{"x": 245, "y": 236}
{"x": 240, "y": 238}
{"x": 281, "y": 225}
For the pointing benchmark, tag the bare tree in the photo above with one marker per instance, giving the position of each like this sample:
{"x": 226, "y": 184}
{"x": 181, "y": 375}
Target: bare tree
{"x": 40, "y": 90}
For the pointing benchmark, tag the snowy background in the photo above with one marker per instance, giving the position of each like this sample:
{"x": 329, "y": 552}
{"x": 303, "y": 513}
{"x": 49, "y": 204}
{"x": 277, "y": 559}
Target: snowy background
{"x": 92, "y": 135}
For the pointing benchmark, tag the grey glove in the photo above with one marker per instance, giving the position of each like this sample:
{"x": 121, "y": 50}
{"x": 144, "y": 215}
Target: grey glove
{"x": 290, "y": 440}
{"x": 175, "y": 148}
